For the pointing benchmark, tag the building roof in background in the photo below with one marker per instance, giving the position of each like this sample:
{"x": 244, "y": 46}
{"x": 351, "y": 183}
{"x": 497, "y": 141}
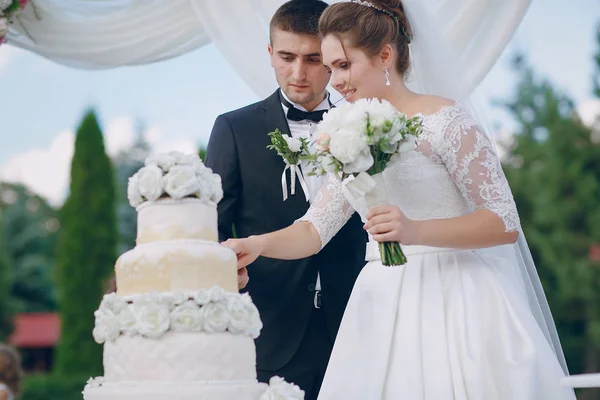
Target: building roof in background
{"x": 34, "y": 330}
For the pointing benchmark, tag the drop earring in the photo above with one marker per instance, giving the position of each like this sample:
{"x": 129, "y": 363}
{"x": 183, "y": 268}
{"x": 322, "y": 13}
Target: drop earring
{"x": 387, "y": 77}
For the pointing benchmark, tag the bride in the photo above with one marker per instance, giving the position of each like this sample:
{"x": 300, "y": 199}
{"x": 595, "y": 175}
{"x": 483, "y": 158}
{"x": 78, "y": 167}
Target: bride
{"x": 466, "y": 317}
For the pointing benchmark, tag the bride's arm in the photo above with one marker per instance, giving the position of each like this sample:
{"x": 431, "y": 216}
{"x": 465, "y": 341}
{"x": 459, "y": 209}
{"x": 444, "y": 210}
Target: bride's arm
{"x": 475, "y": 168}
{"x": 299, "y": 240}
{"x": 307, "y": 236}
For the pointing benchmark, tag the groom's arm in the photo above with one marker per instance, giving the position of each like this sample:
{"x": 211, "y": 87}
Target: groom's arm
{"x": 222, "y": 158}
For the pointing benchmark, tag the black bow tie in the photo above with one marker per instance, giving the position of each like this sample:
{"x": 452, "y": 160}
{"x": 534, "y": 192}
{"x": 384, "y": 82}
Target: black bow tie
{"x": 294, "y": 114}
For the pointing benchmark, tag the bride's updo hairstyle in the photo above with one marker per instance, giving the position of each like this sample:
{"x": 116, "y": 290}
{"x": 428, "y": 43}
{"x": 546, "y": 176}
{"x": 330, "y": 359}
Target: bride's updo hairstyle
{"x": 368, "y": 26}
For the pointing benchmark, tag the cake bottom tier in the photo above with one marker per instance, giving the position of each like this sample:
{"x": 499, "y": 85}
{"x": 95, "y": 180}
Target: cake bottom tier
{"x": 245, "y": 390}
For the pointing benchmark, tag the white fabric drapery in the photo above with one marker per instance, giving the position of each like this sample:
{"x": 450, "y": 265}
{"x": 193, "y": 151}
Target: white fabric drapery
{"x": 95, "y": 34}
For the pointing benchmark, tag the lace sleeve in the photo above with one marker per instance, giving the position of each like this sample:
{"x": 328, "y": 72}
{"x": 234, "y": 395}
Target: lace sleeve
{"x": 330, "y": 211}
{"x": 475, "y": 168}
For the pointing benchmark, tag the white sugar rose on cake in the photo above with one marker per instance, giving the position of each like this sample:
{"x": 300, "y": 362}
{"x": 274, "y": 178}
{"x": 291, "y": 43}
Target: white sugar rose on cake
{"x": 177, "y": 327}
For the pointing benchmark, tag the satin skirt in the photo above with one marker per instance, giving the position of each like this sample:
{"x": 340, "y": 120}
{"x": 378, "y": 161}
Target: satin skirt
{"x": 448, "y": 325}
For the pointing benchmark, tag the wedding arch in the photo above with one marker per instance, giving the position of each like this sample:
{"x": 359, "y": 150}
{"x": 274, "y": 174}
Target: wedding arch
{"x": 102, "y": 34}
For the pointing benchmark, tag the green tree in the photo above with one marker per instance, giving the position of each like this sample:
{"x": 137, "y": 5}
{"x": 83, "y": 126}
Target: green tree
{"x": 86, "y": 250}
{"x": 596, "y": 81}
{"x": 554, "y": 168}
{"x": 202, "y": 152}
{"x": 29, "y": 226}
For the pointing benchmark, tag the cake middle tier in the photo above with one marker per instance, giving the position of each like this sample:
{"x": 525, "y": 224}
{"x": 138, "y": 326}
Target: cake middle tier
{"x": 177, "y": 357}
{"x": 182, "y": 265}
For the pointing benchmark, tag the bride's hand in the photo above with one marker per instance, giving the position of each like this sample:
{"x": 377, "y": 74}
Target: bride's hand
{"x": 247, "y": 250}
{"x": 389, "y": 224}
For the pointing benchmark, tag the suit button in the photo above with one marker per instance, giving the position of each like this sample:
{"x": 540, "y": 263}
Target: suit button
{"x": 311, "y": 287}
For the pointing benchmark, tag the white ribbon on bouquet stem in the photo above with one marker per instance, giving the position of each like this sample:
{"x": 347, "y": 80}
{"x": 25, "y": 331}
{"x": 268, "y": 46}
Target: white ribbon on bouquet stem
{"x": 294, "y": 171}
{"x": 364, "y": 191}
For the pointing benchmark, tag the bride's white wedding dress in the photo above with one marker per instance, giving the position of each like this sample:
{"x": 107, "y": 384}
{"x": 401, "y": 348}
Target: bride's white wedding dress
{"x": 450, "y": 324}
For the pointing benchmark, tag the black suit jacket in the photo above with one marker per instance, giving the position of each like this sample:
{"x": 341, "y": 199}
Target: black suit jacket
{"x": 283, "y": 291}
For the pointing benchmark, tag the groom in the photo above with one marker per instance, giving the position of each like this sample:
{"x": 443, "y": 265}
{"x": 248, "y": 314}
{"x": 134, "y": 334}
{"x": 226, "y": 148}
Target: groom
{"x": 301, "y": 302}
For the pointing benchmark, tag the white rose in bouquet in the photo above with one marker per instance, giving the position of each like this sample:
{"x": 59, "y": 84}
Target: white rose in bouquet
{"x": 181, "y": 181}
{"x": 186, "y": 318}
{"x": 150, "y": 182}
{"x": 346, "y": 145}
{"x": 350, "y": 147}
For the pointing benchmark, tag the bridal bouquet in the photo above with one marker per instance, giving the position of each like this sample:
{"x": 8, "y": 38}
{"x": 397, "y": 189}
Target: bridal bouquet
{"x": 357, "y": 141}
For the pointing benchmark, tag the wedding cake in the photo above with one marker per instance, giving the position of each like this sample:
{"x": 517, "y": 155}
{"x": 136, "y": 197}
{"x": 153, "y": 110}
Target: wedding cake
{"x": 177, "y": 328}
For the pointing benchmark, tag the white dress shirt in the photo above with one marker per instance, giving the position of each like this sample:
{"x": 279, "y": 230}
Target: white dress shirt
{"x": 305, "y": 129}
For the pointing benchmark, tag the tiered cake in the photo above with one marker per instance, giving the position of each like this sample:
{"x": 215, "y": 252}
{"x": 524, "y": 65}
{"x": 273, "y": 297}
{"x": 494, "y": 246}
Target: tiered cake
{"x": 177, "y": 328}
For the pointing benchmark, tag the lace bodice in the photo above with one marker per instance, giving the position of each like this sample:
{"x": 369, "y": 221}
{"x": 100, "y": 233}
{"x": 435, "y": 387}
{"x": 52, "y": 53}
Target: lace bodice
{"x": 453, "y": 171}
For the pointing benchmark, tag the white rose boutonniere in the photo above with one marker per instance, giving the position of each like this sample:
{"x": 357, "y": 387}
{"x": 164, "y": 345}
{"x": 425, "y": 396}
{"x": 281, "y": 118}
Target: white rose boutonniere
{"x": 291, "y": 151}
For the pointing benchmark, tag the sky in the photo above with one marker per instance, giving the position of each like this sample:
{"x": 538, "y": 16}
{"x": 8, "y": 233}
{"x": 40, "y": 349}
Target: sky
{"x": 178, "y": 99}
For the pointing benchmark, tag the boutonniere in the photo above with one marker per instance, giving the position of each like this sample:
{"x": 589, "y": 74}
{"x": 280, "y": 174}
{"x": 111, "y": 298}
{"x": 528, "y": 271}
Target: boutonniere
{"x": 291, "y": 150}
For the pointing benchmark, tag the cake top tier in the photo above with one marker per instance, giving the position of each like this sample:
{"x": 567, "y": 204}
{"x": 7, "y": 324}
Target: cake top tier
{"x": 174, "y": 175}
